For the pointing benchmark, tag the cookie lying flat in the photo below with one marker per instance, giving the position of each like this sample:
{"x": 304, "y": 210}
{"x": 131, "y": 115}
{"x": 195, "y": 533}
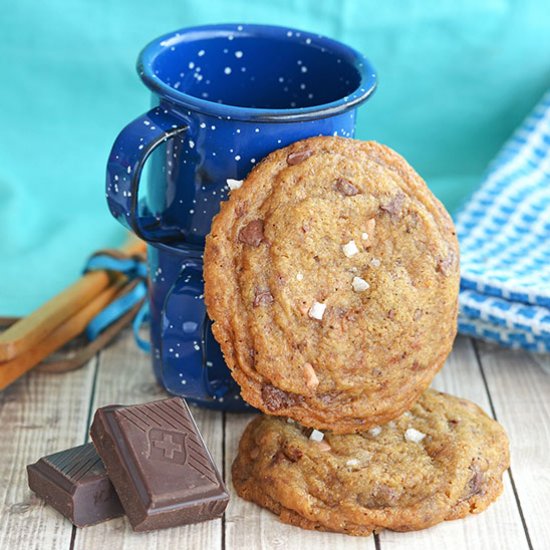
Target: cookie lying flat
{"x": 332, "y": 277}
{"x": 442, "y": 460}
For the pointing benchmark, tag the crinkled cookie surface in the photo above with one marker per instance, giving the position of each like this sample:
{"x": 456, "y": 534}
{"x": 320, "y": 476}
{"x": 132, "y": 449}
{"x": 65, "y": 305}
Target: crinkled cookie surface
{"x": 441, "y": 460}
{"x": 332, "y": 279}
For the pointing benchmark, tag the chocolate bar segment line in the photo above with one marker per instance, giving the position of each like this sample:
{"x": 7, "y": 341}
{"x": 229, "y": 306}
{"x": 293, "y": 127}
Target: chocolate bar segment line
{"x": 75, "y": 483}
{"x": 159, "y": 464}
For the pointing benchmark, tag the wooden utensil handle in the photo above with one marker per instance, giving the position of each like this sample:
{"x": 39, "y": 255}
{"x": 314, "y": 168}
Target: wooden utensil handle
{"x": 31, "y": 330}
{"x": 15, "y": 368}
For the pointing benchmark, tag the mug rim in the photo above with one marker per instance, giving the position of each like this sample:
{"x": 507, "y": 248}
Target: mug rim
{"x": 155, "y": 48}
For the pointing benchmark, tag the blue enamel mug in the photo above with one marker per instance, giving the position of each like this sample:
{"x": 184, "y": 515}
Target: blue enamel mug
{"x": 224, "y": 96}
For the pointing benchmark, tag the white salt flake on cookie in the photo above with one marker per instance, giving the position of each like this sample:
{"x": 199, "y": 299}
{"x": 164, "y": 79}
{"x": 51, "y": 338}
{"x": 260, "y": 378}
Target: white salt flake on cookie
{"x": 414, "y": 435}
{"x": 352, "y": 462}
{"x": 317, "y": 310}
{"x": 350, "y": 249}
{"x": 375, "y": 262}
{"x": 316, "y": 435}
{"x": 359, "y": 285}
{"x": 377, "y": 430}
{"x": 299, "y": 276}
{"x": 234, "y": 184}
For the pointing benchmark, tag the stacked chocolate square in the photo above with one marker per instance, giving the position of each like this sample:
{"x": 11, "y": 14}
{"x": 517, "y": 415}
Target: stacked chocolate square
{"x": 147, "y": 461}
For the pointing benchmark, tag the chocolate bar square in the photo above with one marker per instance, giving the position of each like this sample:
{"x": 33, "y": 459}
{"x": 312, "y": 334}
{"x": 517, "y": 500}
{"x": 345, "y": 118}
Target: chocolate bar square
{"x": 75, "y": 483}
{"x": 159, "y": 464}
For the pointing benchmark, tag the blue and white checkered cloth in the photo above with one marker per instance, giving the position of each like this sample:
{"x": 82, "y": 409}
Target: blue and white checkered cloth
{"x": 504, "y": 235}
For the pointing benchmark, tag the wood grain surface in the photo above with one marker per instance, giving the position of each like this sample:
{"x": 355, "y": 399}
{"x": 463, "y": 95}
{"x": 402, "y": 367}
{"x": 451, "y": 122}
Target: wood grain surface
{"x": 45, "y": 412}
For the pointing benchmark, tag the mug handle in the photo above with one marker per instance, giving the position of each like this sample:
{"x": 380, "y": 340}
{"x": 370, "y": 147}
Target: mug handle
{"x": 131, "y": 149}
{"x": 183, "y": 322}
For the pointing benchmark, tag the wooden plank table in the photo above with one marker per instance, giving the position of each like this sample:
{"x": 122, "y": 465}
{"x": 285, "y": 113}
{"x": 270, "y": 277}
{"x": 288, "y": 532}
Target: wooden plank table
{"x": 43, "y": 413}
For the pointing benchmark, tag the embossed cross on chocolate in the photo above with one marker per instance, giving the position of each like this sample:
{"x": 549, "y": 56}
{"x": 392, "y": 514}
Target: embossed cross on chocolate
{"x": 168, "y": 446}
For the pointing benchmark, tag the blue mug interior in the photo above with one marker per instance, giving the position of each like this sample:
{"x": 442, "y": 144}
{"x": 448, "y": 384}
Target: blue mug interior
{"x": 256, "y": 67}
{"x": 257, "y": 72}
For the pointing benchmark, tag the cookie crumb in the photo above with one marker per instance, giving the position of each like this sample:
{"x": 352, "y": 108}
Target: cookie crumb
{"x": 375, "y": 262}
{"x": 316, "y": 435}
{"x": 299, "y": 156}
{"x": 234, "y": 184}
{"x": 376, "y": 431}
{"x": 350, "y": 249}
{"x": 414, "y": 435}
{"x": 299, "y": 276}
{"x": 359, "y": 285}
{"x": 311, "y": 378}
{"x": 317, "y": 310}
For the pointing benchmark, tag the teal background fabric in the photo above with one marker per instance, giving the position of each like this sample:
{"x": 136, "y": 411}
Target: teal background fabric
{"x": 455, "y": 79}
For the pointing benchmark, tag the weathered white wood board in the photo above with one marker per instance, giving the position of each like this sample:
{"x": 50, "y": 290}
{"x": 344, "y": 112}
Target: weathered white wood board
{"x": 44, "y": 413}
{"x": 520, "y": 392}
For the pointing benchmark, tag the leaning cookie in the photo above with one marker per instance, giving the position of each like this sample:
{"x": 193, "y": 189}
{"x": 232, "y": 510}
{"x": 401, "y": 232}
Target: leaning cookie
{"x": 332, "y": 277}
{"x": 442, "y": 460}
